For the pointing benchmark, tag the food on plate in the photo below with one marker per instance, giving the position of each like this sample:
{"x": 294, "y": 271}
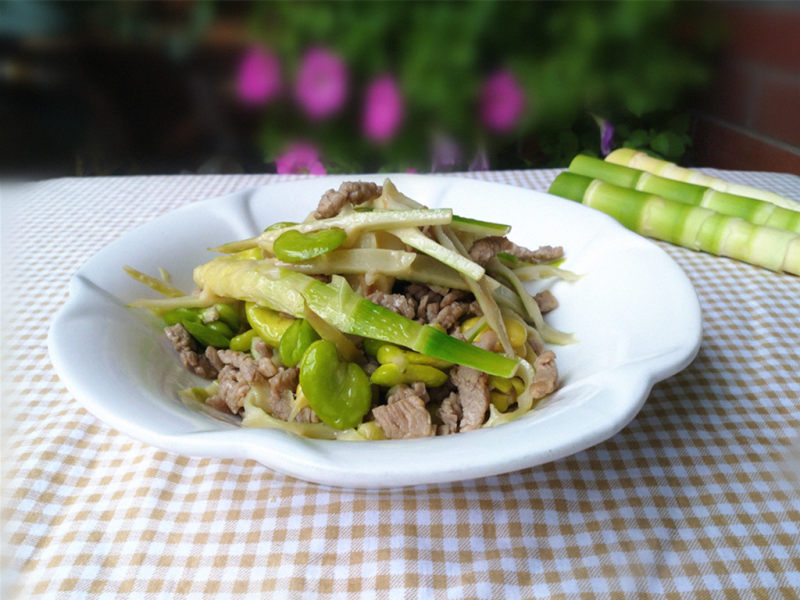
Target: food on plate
{"x": 373, "y": 318}
{"x": 689, "y": 226}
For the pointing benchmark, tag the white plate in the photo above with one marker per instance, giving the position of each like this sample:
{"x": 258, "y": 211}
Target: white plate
{"x": 634, "y": 312}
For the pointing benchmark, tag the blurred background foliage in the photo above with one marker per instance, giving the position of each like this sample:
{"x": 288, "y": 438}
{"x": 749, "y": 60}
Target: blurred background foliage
{"x": 161, "y": 87}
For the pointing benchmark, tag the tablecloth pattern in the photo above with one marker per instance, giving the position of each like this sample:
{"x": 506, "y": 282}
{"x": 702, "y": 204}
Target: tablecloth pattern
{"x": 698, "y": 497}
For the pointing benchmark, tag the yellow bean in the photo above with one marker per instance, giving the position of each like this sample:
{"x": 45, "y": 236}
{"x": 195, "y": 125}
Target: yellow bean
{"x": 389, "y": 353}
{"x": 500, "y": 401}
{"x": 371, "y": 431}
{"x": 516, "y": 330}
{"x": 269, "y": 324}
{"x": 501, "y": 384}
{"x": 391, "y": 374}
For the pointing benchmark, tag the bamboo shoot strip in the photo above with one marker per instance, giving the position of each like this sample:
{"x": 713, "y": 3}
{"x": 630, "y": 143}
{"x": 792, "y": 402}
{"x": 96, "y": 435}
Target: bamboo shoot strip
{"x": 336, "y": 303}
{"x": 755, "y": 211}
{"x": 639, "y": 160}
{"x": 364, "y": 221}
{"x": 688, "y": 226}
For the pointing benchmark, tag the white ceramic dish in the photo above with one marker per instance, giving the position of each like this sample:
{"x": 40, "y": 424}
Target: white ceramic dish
{"x": 634, "y": 312}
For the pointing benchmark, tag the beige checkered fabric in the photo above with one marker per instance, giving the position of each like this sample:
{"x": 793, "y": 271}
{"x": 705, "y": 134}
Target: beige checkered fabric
{"x": 699, "y": 497}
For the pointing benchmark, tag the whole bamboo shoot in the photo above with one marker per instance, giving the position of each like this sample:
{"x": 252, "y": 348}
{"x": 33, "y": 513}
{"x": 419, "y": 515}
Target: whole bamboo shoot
{"x": 685, "y": 225}
{"x": 639, "y": 160}
{"x": 753, "y": 210}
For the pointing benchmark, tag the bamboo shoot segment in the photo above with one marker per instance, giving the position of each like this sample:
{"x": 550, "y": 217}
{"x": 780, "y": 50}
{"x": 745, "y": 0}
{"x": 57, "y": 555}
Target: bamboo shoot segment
{"x": 639, "y": 160}
{"x": 755, "y": 211}
{"x": 693, "y": 227}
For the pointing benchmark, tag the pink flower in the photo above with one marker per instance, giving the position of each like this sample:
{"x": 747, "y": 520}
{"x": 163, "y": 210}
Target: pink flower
{"x": 258, "y": 78}
{"x": 321, "y": 86}
{"x": 502, "y": 101}
{"x": 383, "y": 109}
{"x": 300, "y": 158}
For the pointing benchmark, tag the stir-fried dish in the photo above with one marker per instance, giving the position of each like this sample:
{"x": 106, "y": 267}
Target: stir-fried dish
{"x": 374, "y": 318}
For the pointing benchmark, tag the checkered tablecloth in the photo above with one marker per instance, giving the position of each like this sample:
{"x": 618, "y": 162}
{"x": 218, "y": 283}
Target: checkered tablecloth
{"x": 698, "y": 497}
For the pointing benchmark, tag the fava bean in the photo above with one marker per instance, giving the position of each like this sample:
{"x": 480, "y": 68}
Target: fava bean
{"x": 389, "y": 353}
{"x": 338, "y": 391}
{"x": 206, "y": 334}
{"x": 294, "y": 246}
{"x": 178, "y": 315}
{"x": 216, "y": 333}
{"x": 295, "y": 341}
{"x": 228, "y": 315}
{"x": 243, "y": 341}
{"x": 280, "y": 225}
{"x": 391, "y": 374}
{"x": 269, "y": 324}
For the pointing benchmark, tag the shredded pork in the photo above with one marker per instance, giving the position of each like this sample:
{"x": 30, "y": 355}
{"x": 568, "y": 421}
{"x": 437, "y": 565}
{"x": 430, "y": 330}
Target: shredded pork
{"x": 545, "y": 379}
{"x": 189, "y": 353}
{"x": 404, "y": 418}
{"x": 485, "y": 249}
{"x": 350, "y": 192}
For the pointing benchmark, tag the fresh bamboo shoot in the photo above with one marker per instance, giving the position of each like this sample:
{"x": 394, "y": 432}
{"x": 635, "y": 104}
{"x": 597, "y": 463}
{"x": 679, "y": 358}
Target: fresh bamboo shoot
{"x": 758, "y": 212}
{"x": 688, "y": 226}
{"x": 639, "y": 160}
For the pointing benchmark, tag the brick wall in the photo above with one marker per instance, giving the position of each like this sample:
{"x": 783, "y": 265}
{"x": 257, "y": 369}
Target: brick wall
{"x": 750, "y": 118}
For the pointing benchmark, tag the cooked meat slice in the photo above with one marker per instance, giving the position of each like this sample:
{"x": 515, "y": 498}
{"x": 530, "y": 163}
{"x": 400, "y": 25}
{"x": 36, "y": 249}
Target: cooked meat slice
{"x": 213, "y": 357}
{"x": 261, "y": 348}
{"x": 430, "y": 312}
{"x": 350, "y": 192}
{"x": 452, "y": 296}
{"x": 541, "y": 255}
{"x": 449, "y": 414}
{"x": 401, "y": 391}
{"x": 473, "y": 394}
{"x": 488, "y": 340}
{"x": 188, "y": 351}
{"x": 483, "y": 250}
{"x": 281, "y": 388}
{"x": 397, "y": 303}
{"x": 306, "y": 415}
{"x": 232, "y": 389}
{"x": 418, "y": 291}
{"x": 546, "y": 301}
{"x": 247, "y": 365}
{"x": 545, "y": 378}
{"x": 240, "y": 372}
{"x": 405, "y": 418}
{"x": 441, "y": 306}
{"x": 449, "y": 315}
